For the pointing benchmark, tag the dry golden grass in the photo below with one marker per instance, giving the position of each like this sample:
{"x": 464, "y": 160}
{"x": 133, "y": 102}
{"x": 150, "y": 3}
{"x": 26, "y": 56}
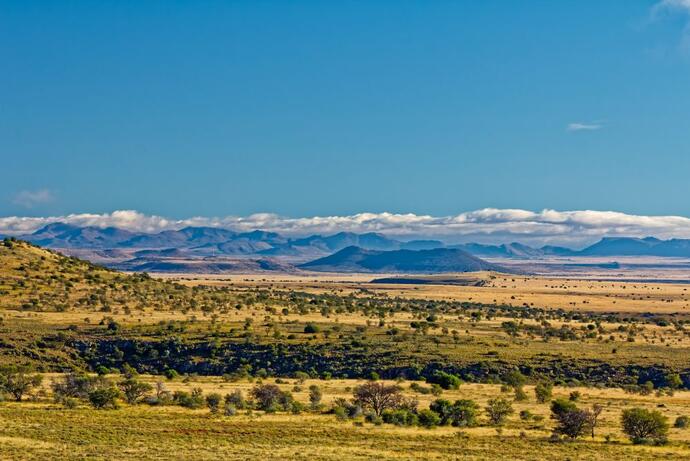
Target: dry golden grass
{"x": 43, "y": 430}
{"x": 571, "y": 294}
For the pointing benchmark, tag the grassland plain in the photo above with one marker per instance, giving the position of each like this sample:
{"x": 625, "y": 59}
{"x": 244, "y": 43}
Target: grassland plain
{"x": 61, "y": 314}
{"x": 43, "y": 430}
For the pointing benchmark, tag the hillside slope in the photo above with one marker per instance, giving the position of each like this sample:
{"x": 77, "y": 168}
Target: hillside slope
{"x": 37, "y": 279}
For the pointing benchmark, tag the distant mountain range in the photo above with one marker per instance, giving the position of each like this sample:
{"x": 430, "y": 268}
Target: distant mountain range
{"x": 221, "y": 249}
{"x": 210, "y": 241}
{"x": 356, "y": 259}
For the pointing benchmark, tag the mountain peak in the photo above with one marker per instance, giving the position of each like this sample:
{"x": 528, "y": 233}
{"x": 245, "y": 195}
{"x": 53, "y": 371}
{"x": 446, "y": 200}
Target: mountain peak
{"x": 356, "y": 259}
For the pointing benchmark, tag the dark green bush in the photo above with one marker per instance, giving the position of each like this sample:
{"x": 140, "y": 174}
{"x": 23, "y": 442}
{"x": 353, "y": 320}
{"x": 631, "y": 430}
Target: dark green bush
{"x": 428, "y": 419}
{"x": 445, "y": 380}
{"x": 399, "y": 417}
{"x": 105, "y": 398}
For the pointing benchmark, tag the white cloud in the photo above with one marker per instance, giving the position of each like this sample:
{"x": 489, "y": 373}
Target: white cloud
{"x": 31, "y": 198}
{"x": 573, "y": 228}
{"x": 583, "y": 126}
{"x": 675, "y": 6}
{"x": 672, "y": 5}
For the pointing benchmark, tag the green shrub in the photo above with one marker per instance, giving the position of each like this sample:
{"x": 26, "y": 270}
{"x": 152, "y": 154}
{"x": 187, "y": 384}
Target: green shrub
{"x": 171, "y": 374}
{"x": 236, "y": 399}
{"x": 315, "y": 396}
{"x": 104, "y": 398}
{"x": 301, "y": 376}
{"x": 515, "y": 379}
{"x": 399, "y": 417}
{"x": 445, "y": 380}
{"x": 526, "y": 415}
{"x": 645, "y": 426}
{"x": 213, "y": 402}
{"x": 311, "y": 328}
{"x": 498, "y": 410}
{"x": 296, "y": 407}
{"x": 17, "y": 381}
{"x": 462, "y": 413}
{"x": 340, "y": 413}
{"x": 134, "y": 390}
{"x": 102, "y": 370}
{"x": 682, "y": 422}
{"x": 543, "y": 392}
{"x": 428, "y": 418}
{"x": 230, "y": 409}
{"x": 192, "y": 400}
{"x": 520, "y": 394}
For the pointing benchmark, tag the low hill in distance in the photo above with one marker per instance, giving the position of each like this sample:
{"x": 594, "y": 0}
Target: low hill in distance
{"x": 451, "y": 279}
{"x": 356, "y": 259}
{"x": 204, "y": 265}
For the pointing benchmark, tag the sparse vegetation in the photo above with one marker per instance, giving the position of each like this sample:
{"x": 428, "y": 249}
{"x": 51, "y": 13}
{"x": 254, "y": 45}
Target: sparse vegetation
{"x": 148, "y": 347}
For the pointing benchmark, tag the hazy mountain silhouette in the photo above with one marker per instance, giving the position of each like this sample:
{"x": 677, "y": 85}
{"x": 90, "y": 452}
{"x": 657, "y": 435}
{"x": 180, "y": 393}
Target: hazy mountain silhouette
{"x": 356, "y": 259}
{"x": 212, "y": 241}
{"x": 513, "y": 250}
{"x": 187, "y": 237}
{"x": 61, "y": 235}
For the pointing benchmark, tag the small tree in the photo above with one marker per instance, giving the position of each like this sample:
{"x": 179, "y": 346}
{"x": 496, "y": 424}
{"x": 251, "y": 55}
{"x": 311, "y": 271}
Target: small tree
{"x": 269, "y": 397}
{"x": 572, "y": 421}
{"x": 497, "y": 410}
{"x": 266, "y": 395}
{"x": 236, "y": 399}
{"x": 315, "y": 396}
{"x": 543, "y": 392}
{"x": 163, "y": 395}
{"x": 18, "y": 382}
{"x": 134, "y": 390}
{"x": 464, "y": 413}
{"x": 594, "y": 416}
{"x": 378, "y": 397}
{"x": 645, "y": 426}
{"x": 213, "y": 402}
{"x": 74, "y": 385}
{"x": 520, "y": 394}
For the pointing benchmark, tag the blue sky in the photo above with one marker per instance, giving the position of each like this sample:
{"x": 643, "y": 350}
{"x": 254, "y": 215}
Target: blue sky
{"x": 333, "y": 108}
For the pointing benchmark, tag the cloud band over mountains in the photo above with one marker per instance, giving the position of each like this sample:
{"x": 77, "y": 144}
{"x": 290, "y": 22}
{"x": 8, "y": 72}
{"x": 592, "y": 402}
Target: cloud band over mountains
{"x": 487, "y": 225}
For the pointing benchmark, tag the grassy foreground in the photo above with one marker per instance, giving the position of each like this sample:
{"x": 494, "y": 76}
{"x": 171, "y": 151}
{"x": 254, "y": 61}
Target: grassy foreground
{"x": 37, "y": 432}
{"x": 44, "y": 430}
